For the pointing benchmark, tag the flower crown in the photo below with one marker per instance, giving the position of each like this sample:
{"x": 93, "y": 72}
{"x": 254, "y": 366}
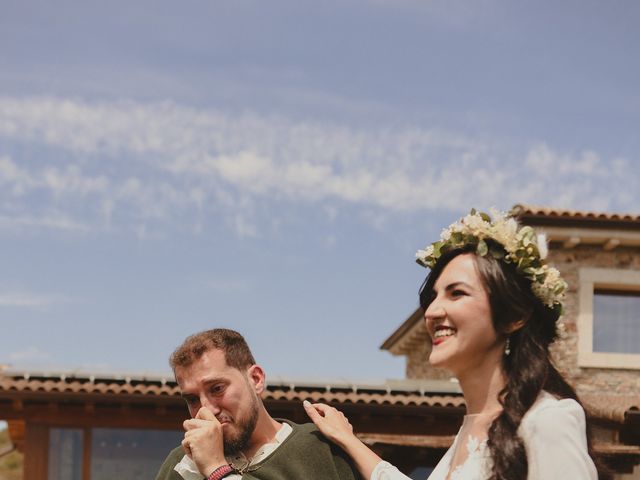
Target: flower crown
{"x": 500, "y": 236}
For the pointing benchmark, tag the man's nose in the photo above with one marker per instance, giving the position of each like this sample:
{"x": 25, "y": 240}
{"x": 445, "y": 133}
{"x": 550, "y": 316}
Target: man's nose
{"x": 209, "y": 404}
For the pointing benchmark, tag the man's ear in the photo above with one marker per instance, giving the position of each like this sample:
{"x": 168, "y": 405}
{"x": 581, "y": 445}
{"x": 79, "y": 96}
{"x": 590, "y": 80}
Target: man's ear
{"x": 257, "y": 377}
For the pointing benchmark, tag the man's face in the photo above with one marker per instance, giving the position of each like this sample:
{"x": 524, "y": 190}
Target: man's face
{"x": 230, "y": 394}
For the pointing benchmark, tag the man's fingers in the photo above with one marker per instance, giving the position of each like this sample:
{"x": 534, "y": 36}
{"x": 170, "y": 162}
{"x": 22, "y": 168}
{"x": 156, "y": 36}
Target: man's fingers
{"x": 192, "y": 423}
{"x": 205, "y": 414}
{"x": 186, "y": 447}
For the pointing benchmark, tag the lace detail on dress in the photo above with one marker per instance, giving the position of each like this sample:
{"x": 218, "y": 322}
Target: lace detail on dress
{"x": 386, "y": 471}
{"x": 474, "y": 467}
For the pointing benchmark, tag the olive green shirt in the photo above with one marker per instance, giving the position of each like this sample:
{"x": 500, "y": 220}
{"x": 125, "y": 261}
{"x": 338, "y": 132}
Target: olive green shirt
{"x": 304, "y": 455}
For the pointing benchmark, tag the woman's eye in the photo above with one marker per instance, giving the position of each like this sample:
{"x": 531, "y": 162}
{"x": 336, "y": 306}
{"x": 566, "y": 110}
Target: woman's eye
{"x": 458, "y": 293}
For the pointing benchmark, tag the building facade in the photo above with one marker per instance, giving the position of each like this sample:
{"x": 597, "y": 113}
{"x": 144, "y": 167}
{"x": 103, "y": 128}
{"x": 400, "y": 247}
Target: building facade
{"x": 79, "y": 426}
{"x": 599, "y": 257}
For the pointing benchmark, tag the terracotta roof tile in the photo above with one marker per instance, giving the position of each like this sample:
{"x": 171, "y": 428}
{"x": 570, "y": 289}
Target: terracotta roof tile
{"x": 611, "y": 407}
{"x": 521, "y": 209}
{"x": 25, "y": 384}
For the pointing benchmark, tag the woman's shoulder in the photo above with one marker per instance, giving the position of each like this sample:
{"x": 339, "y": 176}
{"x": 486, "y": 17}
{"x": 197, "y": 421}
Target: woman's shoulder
{"x": 555, "y": 436}
{"x": 549, "y": 413}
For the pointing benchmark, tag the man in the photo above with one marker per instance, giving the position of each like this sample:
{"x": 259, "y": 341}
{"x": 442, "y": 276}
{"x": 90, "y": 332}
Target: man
{"x": 230, "y": 434}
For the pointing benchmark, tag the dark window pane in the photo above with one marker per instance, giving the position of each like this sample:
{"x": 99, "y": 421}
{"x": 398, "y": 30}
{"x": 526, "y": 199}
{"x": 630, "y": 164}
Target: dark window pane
{"x": 421, "y": 473}
{"x": 65, "y": 454}
{"x": 129, "y": 454}
{"x": 616, "y": 322}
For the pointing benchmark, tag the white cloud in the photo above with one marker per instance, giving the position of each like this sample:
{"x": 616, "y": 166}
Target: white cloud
{"x": 54, "y": 221}
{"x": 144, "y": 164}
{"x": 30, "y": 300}
{"x": 30, "y": 355}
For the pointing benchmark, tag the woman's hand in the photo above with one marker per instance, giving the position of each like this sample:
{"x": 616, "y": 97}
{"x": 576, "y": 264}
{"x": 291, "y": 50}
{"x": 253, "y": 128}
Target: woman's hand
{"x": 331, "y": 422}
{"x": 335, "y": 426}
{"x": 203, "y": 441}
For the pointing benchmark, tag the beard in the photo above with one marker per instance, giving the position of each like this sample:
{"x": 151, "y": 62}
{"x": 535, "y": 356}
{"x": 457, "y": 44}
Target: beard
{"x": 235, "y": 441}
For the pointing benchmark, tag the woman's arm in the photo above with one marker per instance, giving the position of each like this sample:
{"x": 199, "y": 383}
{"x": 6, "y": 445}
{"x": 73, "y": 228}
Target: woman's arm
{"x": 556, "y": 442}
{"x": 335, "y": 426}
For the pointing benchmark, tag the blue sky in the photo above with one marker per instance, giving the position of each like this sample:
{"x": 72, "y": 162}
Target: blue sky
{"x": 273, "y": 166}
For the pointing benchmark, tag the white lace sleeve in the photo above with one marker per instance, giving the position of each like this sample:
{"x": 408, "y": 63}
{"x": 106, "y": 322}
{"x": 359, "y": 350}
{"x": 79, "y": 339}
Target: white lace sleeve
{"x": 386, "y": 471}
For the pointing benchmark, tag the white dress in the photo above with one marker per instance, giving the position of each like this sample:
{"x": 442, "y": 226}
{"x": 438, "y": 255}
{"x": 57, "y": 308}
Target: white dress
{"x": 554, "y": 435}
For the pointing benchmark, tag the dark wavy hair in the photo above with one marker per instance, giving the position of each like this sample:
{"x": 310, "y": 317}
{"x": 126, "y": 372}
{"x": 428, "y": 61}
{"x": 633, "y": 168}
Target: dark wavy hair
{"x": 528, "y": 369}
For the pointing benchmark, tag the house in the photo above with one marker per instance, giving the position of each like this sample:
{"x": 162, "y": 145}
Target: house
{"x": 78, "y": 425}
{"x": 73, "y": 425}
{"x": 599, "y": 256}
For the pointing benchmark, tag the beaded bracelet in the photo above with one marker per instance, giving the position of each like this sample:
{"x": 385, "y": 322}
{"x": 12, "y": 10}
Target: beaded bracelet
{"x": 220, "y": 472}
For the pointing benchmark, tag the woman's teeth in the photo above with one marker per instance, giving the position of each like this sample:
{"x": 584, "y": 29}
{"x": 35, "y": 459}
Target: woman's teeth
{"x": 444, "y": 332}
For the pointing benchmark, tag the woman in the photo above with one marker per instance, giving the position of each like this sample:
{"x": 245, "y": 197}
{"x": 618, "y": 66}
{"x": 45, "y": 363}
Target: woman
{"x": 491, "y": 307}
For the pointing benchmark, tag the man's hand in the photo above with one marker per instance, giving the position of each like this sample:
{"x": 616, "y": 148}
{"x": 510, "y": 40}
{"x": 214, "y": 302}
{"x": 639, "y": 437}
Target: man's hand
{"x": 203, "y": 441}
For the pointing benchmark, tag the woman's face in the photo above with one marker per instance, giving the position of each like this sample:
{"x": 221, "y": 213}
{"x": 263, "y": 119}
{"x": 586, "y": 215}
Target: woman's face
{"x": 459, "y": 320}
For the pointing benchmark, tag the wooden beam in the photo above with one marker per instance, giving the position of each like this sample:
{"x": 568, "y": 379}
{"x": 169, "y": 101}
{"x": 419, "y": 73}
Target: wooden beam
{"x": 571, "y": 242}
{"x": 17, "y": 433}
{"x": 611, "y": 244}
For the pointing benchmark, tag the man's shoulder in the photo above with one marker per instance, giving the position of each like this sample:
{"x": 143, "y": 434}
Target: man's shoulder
{"x": 166, "y": 471}
{"x": 304, "y": 431}
{"x": 306, "y": 453}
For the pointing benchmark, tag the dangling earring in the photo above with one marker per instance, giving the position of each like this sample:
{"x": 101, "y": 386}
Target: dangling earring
{"x": 507, "y": 347}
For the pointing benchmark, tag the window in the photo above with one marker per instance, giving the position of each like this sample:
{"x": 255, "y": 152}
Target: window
{"x": 130, "y": 454}
{"x": 65, "y": 453}
{"x": 616, "y": 328}
{"x": 122, "y": 453}
{"x": 609, "y": 318}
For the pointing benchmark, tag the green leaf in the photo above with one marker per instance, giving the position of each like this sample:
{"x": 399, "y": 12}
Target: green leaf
{"x": 485, "y": 217}
{"x": 482, "y": 248}
{"x": 558, "y": 309}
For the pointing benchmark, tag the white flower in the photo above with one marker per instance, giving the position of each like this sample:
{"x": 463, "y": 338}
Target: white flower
{"x": 542, "y": 246}
{"x": 504, "y": 230}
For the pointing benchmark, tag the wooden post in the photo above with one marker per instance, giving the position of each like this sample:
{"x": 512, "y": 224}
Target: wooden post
{"x": 86, "y": 454}
{"x": 36, "y": 451}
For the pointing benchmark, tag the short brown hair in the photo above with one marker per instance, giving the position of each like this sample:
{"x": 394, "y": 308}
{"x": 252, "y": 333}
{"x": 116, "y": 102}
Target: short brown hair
{"x": 236, "y": 351}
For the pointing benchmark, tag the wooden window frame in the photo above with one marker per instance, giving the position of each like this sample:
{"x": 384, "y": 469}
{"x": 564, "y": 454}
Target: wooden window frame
{"x": 590, "y": 280}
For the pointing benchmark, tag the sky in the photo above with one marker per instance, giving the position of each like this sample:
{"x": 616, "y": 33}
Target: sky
{"x": 272, "y": 167}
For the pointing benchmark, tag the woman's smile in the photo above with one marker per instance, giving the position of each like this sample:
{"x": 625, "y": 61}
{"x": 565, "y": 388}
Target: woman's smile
{"x": 442, "y": 333}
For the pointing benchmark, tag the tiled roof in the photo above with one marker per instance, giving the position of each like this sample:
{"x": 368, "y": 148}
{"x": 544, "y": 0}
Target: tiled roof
{"x": 537, "y": 214}
{"x": 401, "y": 393}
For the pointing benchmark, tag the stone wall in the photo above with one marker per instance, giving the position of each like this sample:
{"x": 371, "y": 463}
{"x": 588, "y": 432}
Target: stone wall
{"x": 565, "y": 352}
{"x": 418, "y": 365}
